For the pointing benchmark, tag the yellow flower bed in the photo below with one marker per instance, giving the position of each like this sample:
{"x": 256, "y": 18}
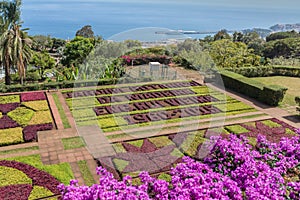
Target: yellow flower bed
{"x": 41, "y": 117}
{"x": 37, "y": 105}
{"x": 11, "y": 136}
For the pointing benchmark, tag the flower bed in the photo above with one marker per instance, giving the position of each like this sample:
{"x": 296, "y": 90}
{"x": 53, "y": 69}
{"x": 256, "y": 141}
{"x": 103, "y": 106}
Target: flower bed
{"x": 22, "y": 116}
{"x": 20, "y": 180}
{"x": 233, "y": 170}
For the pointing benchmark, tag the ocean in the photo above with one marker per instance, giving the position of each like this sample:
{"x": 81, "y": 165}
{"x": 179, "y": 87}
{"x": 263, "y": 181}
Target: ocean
{"x": 62, "y": 18}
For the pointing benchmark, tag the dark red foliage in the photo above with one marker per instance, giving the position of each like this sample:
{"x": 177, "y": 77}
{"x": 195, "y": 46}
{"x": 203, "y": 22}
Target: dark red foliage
{"x": 5, "y": 108}
{"x": 39, "y": 177}
{"x": 33, "y": 96}
{"x": 6, "y": 122}
{"x": 30, "y": 132}
{"x": 17, "y": 192}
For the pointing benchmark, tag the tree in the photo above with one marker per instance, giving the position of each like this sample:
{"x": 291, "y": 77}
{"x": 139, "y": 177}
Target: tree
{"x": 222, "y": 34}
{"x": 282, "y": 35}
{"x": 86, "y": 32}
{"x": 15, "y": 44}
{"x": 227, "y": 53}
{"x": 43, "y": 61}
{"x": 41, "y": 43}
{"x": 77, "y": 50}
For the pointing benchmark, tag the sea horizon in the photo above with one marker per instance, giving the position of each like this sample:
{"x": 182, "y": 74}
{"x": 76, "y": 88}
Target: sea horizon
{"x": 63, "y": 18}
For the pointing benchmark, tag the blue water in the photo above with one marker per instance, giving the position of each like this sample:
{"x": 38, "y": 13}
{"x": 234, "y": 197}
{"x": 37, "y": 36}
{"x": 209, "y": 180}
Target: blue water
{"x": 62, "y": 18}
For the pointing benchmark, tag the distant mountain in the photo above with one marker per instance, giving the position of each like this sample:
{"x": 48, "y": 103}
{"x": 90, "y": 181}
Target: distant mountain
{"x": 285, "y": 27}
{"x": 276, "y": 28}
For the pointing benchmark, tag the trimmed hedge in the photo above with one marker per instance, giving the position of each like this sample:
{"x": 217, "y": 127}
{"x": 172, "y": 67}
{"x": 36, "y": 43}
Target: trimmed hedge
{"x": 297, "y": 99}
{"x": 271, "y": 95}
{"x": 265, "y": 71}
{"x": 68, "y": 84}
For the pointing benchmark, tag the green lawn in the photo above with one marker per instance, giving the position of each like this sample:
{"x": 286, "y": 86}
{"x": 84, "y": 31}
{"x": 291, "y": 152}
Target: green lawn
{"x": 289, "y": 82}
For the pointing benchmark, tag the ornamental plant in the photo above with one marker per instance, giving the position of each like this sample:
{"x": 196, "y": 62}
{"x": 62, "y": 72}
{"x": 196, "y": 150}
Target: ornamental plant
{"x": 234, "y": 170}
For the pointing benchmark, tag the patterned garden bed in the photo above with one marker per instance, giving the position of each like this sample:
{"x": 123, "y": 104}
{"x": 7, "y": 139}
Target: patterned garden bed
{"x": 27, "y": 178}
{"x": 158, "y": 154}
{"x": 116, "y": 108}
{"x": 22, "y": 116}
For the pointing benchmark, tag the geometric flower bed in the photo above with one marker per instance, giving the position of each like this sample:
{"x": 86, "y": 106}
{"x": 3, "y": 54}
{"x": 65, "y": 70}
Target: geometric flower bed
{"x": 134, "y": 105}
{"x": 233, "y": 170}
{"x": 22, "y": 116}
{"x": 157, "y": 155}
{"x": 27, "y": 178}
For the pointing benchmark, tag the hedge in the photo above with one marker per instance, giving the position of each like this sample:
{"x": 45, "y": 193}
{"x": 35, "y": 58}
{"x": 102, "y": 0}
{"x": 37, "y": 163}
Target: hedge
{"x": 271, "y": 95}
{"x": 264, "y": 71}
{"x": 297, "y": 99}
{"x": 68, "y": 84}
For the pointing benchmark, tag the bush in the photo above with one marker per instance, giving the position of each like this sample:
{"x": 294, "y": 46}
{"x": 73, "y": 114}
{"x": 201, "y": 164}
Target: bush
{"x": 264, "y": 71}
{"x": 297, "y": 99}
{"x": 271, "y": 95}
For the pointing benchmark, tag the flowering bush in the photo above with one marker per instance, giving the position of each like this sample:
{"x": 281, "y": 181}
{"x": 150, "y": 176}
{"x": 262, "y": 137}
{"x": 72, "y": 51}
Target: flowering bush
{"x": 233, "y": 171}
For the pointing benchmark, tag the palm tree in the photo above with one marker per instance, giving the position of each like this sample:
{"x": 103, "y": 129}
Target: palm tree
{"x": 15, "y": 44}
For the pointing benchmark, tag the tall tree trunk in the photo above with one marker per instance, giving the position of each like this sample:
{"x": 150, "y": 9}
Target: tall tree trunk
{"x": 7, "y": 73}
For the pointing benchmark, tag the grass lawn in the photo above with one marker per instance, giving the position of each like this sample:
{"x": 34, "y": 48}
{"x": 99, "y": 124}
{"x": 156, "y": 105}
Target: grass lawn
{"x": 289, "y": 82}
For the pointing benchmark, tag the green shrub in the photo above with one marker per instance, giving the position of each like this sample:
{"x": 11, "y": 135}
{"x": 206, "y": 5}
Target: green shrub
{"x": 37, "y": 105}
{"x": 39, "y": 192}
{"x": 260, "y": 71}
{"x": 271, "y": 95}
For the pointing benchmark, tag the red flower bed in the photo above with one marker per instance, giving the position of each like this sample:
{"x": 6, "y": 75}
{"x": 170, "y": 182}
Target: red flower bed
{"x": 17, "y": 192}
{"x": 39, "y": 178}
{"x": 5, "y": 108}
{"x": 30, "y": 132}
{"x": 33, "y": 96}
{"x": 6, "y": 122}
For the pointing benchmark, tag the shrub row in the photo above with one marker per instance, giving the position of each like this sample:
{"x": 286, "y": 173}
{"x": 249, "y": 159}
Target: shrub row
{"x": 297, "y": 99}
{"x": 271, "y": 95}
{"x": 67, "y": 84}
{"x": 264, "y": 71}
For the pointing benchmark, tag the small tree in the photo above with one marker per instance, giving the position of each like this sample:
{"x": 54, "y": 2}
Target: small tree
{"x": 43, "y": 61}
{"x": 86, "y": 32}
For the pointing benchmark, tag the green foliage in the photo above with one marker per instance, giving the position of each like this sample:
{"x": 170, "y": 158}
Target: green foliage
{"x": 191, "y": 144}
{"x": 160, "y": 142}
{"x": 11, "y": 136}
{"x": 39, "y": 192}
{"x": 21, "y": 115}
{"x": 226, "y": 53}
{"x": 85, "y": 32}
{"x": 259, "y": 71}
{"x": 118, "y": 147}
{"x": 73, "y": 143}
{"x": 43, "y": 61}
{"x": 282, "y": 35}
{"x": 11, "y": 176}
{"x": 41, "y": 42}
{"x": 271, "y": 95}
{"x": 120, "y": 164}
{"x": 176, "y": 153}
{"x": 221, "y": 35}
{"x": 271, "y": 124}
{"x": 137, "y": 143}
{"x": 252, "y": 141}
{"x": 236, "y": 129}
{"x": 86, "y": 173}
{"x": 165, "y": 177}
{"x": 77, "y": 50}
{"x": 287, "y": 48}
{"x": 10, "y": 99}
